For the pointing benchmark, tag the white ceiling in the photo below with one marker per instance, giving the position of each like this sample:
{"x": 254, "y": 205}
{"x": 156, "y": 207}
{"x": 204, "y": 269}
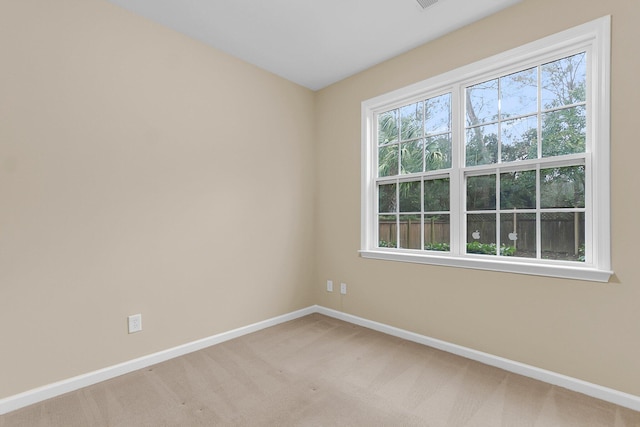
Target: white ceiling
{"x": 314, "y": 43}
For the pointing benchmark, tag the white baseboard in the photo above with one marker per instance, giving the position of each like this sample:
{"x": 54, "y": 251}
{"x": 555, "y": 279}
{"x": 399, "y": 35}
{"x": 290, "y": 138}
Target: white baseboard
{"x": 607, "y": 394}
{"x": 39, "y": 394}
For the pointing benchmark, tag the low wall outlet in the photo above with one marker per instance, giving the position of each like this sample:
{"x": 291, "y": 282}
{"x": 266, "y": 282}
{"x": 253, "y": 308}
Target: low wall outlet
{"x": 343, "y": 288}
{"x": 329, "y": 285}
{"x": 135, "y": 323}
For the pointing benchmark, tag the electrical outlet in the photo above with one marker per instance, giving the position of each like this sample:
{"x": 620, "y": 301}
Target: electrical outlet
{"x": 329, "y": 285}
{"x": 135, "y": 323}
{"x": 343, "y": 288}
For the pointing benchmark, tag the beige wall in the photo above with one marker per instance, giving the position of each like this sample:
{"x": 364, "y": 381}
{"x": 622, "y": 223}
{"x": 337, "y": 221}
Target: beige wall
{"x": 586, "y": 330}
{"x": 140, "y": 172}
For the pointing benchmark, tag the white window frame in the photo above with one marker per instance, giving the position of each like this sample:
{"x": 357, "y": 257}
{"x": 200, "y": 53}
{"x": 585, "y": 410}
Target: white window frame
{"x": 593, "y": 37}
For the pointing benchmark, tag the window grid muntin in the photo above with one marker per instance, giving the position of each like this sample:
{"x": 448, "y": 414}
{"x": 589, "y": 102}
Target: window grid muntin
{"x": 537, "y": 166}
{"x": 397, "y": 213}
{"x": 495, "y": 168}
{"x": 401, "y": 177}
{"x": 595, "y": 34}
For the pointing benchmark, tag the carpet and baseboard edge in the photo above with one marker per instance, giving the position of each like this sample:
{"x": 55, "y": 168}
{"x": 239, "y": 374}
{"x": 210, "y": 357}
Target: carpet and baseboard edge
{"x": 599, "y": 392}
{"x": 39, "y": 394}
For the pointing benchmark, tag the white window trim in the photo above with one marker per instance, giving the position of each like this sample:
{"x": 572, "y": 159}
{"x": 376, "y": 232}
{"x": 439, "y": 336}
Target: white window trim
{"x": 594, "y": 36}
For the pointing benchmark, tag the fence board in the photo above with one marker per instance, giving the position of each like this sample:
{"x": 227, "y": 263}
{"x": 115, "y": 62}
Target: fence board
{"x": 557, "y": 235}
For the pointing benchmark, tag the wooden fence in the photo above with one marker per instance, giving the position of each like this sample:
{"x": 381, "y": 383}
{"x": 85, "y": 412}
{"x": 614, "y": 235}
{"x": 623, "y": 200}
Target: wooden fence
{"x": 562, "y": 235}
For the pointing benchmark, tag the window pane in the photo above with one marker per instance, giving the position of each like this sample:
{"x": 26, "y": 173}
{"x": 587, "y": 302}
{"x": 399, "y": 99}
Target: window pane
{"x": 387, "y": 231}
{"x": 564, "y": 131}
{"x": 518, "y": 190}
{"x": 519, "y": 93}
{"x": 482, "y": 103}
{"x": 388, "y": 127}
{"x": 518, "y": 235}
{"x": 438, "y": 114}
{"x": 481, "y": 234}
{"x": 410, "y": 229}
{"x": 438, "y": 152}
{"x": 411, "y": 156}
{"x": 387, "y": 198}
{"x": 437, "y": 232}
{"x": 563, "y": 236}
{"x": 564, "y": 81}
{"x": 481, "y": 192}
{"x": 411, "y": 121}
{"x": 482, "y": 145}
{"x": 410, "y": 196}
{"x": 562, "y": 187}
{"x": 519, "y": 139}
{"x": 388, "y": 160}
{"x": 436, "y": 195}
{"x": 494, "y": 161}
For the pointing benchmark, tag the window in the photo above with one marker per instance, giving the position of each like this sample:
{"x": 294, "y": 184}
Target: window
{"x": 499, "y": 165}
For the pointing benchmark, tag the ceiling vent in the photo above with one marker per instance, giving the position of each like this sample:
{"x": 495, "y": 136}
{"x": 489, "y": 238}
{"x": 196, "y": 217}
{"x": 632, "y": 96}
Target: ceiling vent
{"x": 426, "y": 3}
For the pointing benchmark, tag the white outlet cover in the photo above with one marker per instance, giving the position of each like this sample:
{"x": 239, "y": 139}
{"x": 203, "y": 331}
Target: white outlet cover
{"x": 329, "y": 285}
{"x": 135, "y": 323}
{"x": 343, "y": 288}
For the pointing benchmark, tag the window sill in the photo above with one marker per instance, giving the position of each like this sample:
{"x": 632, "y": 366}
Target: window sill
{"x": 481, "y": 263}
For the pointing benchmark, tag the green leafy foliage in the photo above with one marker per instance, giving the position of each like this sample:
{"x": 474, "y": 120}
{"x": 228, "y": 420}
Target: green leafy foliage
{"x": 489, "y": 249}
{"x": 443, "y": 247}
{"x": 475, "y": 248}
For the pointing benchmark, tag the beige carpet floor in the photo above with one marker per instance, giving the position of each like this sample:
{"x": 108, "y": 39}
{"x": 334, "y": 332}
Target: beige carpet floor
{"x": 319, "y": 371}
